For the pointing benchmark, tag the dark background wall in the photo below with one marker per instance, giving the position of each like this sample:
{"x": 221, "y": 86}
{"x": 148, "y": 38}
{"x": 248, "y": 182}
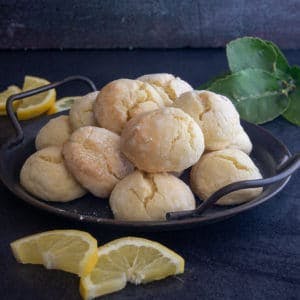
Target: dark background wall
{"x": 145, "y": 24}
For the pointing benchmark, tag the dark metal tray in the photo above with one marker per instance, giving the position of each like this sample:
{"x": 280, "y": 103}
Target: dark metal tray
{"x": 271, "y": 156}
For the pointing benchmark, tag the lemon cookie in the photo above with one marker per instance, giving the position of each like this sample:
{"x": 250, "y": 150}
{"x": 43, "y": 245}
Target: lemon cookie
{"x": 215, "y": 114}
{"x": 81, "y": 112}
{"x": 45, "y": 175}
{"x": 171, "y": 85}
{"x": 220, "y": 168}
{"x": 144, "y": 197}
{"x": 163, "y": 140}
{"x": 241, "y": 141}
{"x": 93, "y": 156}
{"x": 122, "y": 99}
{"x": 55, "y": 133}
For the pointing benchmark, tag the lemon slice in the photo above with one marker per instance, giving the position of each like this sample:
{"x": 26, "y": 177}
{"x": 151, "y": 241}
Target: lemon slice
{"x": 3, "y": 112}
{"x": 11, "y": 90}
{"x": 36, "y": 105}
{"x": 62, "y": 104}
{"x": 129, "y": 259}
{"x": 68, "y": 250}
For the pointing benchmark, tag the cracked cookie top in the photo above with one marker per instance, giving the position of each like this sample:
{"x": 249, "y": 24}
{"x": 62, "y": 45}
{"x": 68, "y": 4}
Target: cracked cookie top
{"x": 171, "y": 85}
{"x": 219, "y": 168}
{"x": 163, "y": 140}
{"x": 81, "y": 112}
{"x": 215, "y": 114}
{"x": 122, "y": 99}
{"x": 144, "y": 196}
{"x": 45, "y": 175}
{"x": 55, "y": 133}
{"x": 93, "y": 156}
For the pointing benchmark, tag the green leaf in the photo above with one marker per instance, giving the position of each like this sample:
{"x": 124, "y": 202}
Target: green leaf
{"x": 281, "y": 61}
{"x": 256, "y": 94}
{"x": 282, "y": 67}
{"x": 292, "y": 114}
{"x": 207, "y": 84}
{"x": 285, "y": 77}
{"x": 250, "y": 52}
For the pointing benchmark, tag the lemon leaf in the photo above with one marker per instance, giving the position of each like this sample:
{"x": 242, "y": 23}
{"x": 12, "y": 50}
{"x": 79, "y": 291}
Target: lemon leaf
{"x": 292, "y": 113}
{"x": 281, "y": 62}
{"x": 250, "y": 52}
{"x": 257, "y": 94}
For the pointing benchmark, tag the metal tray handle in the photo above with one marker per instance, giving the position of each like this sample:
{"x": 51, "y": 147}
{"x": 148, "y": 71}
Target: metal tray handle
{"x": 286, "y": 169}
{"x": 9, "y": 107}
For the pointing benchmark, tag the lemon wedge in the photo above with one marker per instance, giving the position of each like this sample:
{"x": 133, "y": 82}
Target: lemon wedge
{"x": 129, "y": 259}
{"x": 3, "y": 112}
{"x": 36, "y": 105}
{"x": 11, "y": 90}
{"x": 62, "y": 104}
{"x": 68, "y": 250}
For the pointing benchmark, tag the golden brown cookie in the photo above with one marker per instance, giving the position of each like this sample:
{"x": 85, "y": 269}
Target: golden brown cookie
{"x": 81, "y": 112}
{"x": 93, "y": 156}
{"x": 171, "y": 85}
{"x": 55, "y": 133}
{"x": 45, "y": 175}
{"x": 215, "y": 114}
{"x": 144, "y": 197}
{"x": 241, "y": 141}
{"x": 122, "y": 99}
{"x": 219, "y": 168}
{"x": 163, "y": 140}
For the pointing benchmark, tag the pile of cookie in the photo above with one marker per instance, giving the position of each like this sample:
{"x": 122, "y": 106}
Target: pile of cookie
{"x": 131, "y": 141}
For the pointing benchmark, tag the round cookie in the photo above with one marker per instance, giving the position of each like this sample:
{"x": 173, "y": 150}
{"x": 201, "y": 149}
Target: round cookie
{"x": 122, "y": 99}
{"x": 163, "y": 140}
{"x": 81, "y": 112}
{"x": 215, "y": 114}
{"x": 93, "y": 156}
{"x": 144, "y": 197}
{"x": 241, "y": 141}
{"x": 173, "y": 86}
{"x": 219, "y": 168}
{"x": 55, "y": 133}
{"x": 45, "y": 176}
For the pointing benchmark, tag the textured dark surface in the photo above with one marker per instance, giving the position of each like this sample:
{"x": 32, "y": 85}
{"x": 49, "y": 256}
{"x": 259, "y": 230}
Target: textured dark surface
{"x": 252, "y": 256}
{"x": 145, "y": 23}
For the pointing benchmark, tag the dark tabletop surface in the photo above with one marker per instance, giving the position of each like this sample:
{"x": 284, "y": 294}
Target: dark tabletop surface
{"x": 255, "y": 255}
